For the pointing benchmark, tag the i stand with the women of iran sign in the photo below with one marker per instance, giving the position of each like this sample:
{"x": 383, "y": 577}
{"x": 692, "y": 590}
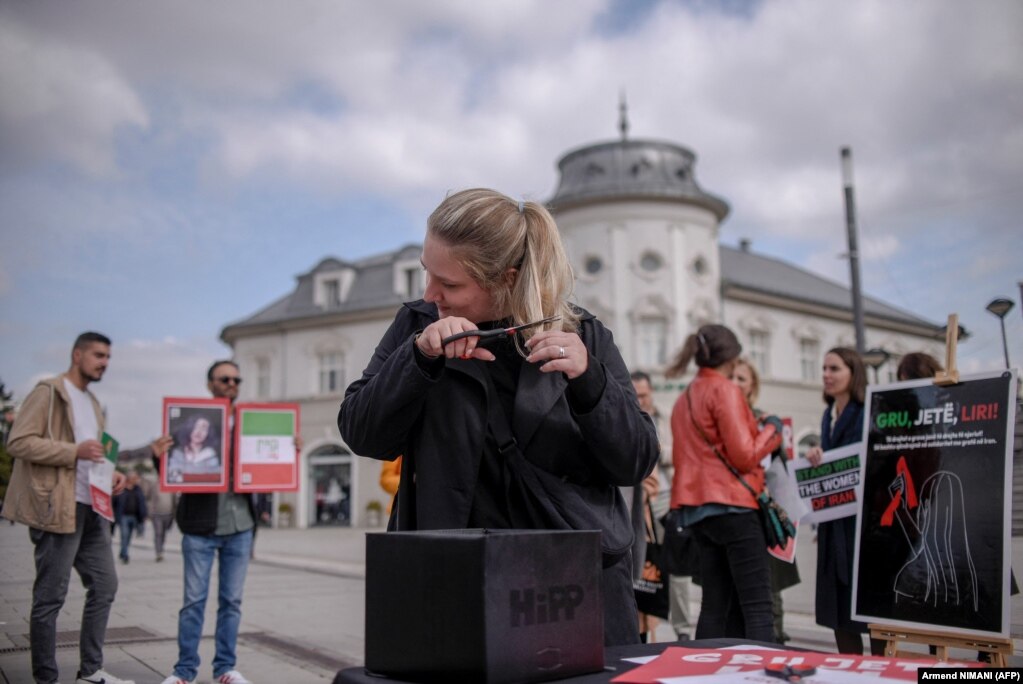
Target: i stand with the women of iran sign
{"x": 265, "y": 456}
{"x": 933, "y": 530}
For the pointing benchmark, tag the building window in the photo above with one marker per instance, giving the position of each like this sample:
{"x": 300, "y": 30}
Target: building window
{"x": 809, "y": 359}
{"x": 262, "y": 379}
{"x": 759, "y": 341}
{"x": 650, "y": 262}
{"x": 332, "y": 375}
{"x": 413, "y": 282}
{"x": 652, "y": 338}
{"x": 332, "y": 293}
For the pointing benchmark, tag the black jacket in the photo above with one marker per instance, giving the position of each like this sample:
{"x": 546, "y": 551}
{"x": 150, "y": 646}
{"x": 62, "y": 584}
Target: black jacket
{"x": 836, "y": 538}
{"x": 439, "y": 424}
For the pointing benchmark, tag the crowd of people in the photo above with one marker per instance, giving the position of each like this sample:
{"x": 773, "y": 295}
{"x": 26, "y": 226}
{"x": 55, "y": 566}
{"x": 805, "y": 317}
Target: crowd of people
{"x": 55, "y": 443}
{"x": 478, "y": 426}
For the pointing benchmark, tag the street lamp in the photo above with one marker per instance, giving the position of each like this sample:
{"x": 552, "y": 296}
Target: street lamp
{"x": 1000, "y": 307}
{"x": 875, "y": 358}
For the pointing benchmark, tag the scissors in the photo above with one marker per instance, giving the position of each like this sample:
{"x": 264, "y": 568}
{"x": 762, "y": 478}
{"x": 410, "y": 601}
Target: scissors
{"x": 487, "y": 335}
{"x": 789, "y": 672}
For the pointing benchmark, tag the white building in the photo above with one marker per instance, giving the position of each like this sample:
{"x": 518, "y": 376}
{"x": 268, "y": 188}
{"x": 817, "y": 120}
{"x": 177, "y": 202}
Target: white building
{"x": 643, "y": 239}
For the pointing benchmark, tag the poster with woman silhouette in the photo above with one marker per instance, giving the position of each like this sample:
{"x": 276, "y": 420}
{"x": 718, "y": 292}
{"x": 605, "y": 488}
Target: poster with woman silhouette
{"x": 933, "y": 529}
{"x": 198, "y": 459}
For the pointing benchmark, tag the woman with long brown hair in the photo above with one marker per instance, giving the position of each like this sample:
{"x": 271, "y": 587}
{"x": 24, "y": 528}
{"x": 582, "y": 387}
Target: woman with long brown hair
{"x": 845, "y": 387}
{"x": 717, "y": 441}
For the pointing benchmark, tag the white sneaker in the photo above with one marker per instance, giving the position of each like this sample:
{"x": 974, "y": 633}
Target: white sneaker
{"x": 174, "y": 679}
{"x": 233, "y": 677}
{"x": 101, "y": 677}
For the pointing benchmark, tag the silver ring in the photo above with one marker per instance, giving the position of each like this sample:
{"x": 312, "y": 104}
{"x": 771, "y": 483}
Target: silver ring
{"x": 561, "y": 352}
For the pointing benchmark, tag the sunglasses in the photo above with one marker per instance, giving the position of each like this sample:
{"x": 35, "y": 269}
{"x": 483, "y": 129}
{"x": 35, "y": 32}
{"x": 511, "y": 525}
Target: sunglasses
{"x": 229, "y": 379}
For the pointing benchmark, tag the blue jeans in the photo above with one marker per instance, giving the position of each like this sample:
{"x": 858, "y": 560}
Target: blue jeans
{"x": 128, "y": 525}
{"x": 736, "y": 578}
{"x": 198, "y": 552}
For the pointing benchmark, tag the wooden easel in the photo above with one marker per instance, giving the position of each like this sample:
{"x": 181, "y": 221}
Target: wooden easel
{"x": 999, "y": 648}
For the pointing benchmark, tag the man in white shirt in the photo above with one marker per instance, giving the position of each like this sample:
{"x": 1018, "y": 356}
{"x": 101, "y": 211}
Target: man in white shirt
{"x": 55, "y": 442}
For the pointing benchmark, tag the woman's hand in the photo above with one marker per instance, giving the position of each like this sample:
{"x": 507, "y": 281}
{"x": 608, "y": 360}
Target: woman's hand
{"x": 430, "y": 340}
{"x": 772, "y": 421}
{"x": 559, "y": 351}
{"x": 814, "y": 456}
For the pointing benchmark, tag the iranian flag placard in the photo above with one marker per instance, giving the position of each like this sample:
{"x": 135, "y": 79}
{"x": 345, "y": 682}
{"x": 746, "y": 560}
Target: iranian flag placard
{"x": 101, "y": 479}
{"x": 265, "y": 456}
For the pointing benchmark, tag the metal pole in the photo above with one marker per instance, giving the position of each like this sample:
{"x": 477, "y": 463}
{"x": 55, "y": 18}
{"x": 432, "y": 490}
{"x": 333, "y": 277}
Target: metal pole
{"x": 854, "y": 253}
{"x": 1005, "y": 344}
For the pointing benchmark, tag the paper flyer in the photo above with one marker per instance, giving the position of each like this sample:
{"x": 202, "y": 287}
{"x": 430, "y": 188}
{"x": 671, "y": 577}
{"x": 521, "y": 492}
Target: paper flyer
{"x": 681, "y": 665}
{"x": 101, "y": 479}
{"x": 786, "y": 495}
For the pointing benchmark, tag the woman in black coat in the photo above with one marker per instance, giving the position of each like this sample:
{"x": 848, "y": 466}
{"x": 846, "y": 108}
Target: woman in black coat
{"x": 845, "y": 386}
{"x": 533, "y": 430}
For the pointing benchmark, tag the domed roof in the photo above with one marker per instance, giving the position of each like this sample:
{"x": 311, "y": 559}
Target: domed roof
{"x": 629, "y": 170}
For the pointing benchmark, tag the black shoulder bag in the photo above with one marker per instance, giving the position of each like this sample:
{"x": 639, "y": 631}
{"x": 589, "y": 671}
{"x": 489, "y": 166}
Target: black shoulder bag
{"x": 555, "y": 502}
{"x": 651, "y": 587}
{"x": 778, "y": 529}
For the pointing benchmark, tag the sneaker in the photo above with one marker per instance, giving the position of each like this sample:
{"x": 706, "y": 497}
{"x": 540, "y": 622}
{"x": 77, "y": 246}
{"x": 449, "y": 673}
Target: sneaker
{"x": 233, "y": 677}
{"x": 174, "y": 679}
{"x": 101, "y": 677}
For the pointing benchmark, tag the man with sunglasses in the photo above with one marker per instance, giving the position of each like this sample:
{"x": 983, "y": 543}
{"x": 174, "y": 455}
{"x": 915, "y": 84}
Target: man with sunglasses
{"x": 214, "y": 525}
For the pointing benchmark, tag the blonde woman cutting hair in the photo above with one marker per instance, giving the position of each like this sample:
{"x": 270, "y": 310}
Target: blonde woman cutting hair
{"x": 530, "y": 429}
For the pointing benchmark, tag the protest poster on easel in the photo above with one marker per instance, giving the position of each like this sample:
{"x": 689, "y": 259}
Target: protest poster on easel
{"x": 933, "y": 530}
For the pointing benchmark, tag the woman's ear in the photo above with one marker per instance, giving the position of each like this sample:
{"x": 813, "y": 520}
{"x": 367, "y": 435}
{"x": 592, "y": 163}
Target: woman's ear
{"x": 511, "y": 274}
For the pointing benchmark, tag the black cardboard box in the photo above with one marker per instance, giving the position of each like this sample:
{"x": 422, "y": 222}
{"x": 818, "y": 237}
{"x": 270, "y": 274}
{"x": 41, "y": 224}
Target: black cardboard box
{"x": 494, "y": 606}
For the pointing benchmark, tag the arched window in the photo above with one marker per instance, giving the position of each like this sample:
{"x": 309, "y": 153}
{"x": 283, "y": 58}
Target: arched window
{"x": 329, "y": 488}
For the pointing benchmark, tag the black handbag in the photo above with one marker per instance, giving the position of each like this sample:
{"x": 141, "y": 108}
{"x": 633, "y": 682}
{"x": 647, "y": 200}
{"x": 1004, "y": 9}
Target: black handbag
{"x": 549, "y": 501}
{"x": 678, "y": 552}
{"x": 651, "y": 587}
{"x": 778, "y": 529}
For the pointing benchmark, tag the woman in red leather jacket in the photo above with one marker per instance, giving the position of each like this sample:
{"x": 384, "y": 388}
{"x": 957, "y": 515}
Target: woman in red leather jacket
{"x": 710, "y": 424}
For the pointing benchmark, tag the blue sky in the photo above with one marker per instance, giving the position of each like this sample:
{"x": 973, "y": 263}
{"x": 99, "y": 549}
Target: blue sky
{"x": 166, "y": 171}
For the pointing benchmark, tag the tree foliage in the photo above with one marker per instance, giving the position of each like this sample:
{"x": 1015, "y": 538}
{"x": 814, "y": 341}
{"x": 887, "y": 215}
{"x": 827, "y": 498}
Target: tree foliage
{"x": 6, "y": 418}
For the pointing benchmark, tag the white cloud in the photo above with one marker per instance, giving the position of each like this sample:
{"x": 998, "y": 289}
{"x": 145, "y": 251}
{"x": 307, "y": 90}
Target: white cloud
{"x": 427, "y": 96}
{"x": 61, "y": 102}
{"x": 403, "y": 100}
{"x": 880, "y": 248}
